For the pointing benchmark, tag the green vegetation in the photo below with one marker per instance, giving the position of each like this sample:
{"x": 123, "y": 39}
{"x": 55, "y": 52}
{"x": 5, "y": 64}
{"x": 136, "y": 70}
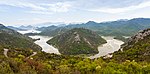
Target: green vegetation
{"x": 45, "y": 63}
{"x": 121, "y": 38}
{"x": 77, "y": 41}
{"x": 12, "y": 39}
{"x": 134, "y": 59}
{"x": 137, "y": 48}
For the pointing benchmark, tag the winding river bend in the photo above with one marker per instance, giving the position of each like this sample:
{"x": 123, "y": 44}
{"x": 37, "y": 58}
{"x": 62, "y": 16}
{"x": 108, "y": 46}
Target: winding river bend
{"x": 111, "y": 46}
{"x": 45, "y": 47}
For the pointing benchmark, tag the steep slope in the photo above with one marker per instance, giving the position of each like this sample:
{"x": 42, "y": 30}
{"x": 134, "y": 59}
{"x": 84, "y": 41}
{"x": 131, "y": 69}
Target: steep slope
{"x": 13, "y": 39}
{"x": 77, "y": 41}
{"x": 136, "y": 48}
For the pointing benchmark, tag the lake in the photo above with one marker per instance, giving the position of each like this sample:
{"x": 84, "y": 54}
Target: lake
{"x": 111, "y": 46}
{"x": 45, "y": 47}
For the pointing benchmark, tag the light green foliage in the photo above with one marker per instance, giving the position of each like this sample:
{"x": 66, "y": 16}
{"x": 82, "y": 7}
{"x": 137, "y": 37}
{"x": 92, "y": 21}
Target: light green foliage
{"x": 60, "y": 64}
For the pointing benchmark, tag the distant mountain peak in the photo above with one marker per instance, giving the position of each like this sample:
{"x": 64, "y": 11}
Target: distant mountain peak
{"x": 91, "y": 22}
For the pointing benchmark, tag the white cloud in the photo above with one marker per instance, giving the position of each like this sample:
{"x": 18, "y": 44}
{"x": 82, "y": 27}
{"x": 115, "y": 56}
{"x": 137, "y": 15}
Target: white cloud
{"x": 58, "y": 7}
{"x": 21, "y": 4}
{"x": 52, "y": 8}
{"x": 39, "y": 8}
{"x": 122, "y": 10}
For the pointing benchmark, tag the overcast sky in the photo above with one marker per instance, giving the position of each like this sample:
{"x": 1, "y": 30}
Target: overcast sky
{"x": 19, "y": 12}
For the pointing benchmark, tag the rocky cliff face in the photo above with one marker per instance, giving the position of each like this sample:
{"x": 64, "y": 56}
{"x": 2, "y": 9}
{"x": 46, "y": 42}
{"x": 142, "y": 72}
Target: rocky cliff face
{"x": 136, "y": 38}
{"x": 140, "y": 35}
{"x": 136, "y": 48}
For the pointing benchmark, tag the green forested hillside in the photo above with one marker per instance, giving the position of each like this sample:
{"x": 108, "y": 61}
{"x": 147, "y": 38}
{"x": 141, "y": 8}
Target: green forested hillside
{"x": 12, "y": 39}
{"x": 45, "y": 63}
{"x": 77, "y": 41}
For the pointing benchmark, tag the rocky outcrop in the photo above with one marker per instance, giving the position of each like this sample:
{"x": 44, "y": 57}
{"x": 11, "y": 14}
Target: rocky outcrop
{"x": 136, "y": 48}
{"x": 136, "y": 38}
{"x": 140, "y": 35}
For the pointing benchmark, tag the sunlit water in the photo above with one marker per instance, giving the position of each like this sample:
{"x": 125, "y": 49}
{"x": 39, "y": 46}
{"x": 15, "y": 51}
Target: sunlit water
{"x": 111, "y": 46}
{"x": 45, "y": 47}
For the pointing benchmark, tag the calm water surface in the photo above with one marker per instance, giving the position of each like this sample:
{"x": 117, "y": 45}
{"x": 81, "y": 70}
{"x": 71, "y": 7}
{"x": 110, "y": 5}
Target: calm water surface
{"x": 45, "y": 47}
{"x": 111, "y": 46}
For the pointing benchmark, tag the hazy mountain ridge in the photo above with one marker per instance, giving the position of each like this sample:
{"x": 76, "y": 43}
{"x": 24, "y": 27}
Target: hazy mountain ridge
{"x": 114, "y": 28}
{"x": 15, "y": 28}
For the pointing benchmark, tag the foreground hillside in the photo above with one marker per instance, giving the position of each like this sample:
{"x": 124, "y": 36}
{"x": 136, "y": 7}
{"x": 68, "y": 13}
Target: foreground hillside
{"x": 134, "y": 59}
{"x": 77, "y": 41}
{"x": 136, "y": 48}
{"x": 12, "y": 39}
{"x": 45, "y": 63}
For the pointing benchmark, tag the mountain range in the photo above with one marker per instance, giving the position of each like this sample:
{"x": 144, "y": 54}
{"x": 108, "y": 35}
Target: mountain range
{"x": 132, "y": 58}
{"x": 113, "y": 28}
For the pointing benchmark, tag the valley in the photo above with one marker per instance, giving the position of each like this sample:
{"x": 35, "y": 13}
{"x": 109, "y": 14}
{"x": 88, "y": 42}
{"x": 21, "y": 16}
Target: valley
{"x": 111, "y": 53}
{"x": 74, "y": 37}
{"x": 111, "y": 46}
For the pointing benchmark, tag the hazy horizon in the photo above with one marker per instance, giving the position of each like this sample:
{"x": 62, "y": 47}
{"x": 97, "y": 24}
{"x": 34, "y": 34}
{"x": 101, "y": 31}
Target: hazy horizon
{"x": 27, "y": 12}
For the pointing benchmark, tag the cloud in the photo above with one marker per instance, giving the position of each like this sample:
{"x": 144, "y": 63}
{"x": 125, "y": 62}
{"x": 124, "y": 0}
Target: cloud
{"x": 122, "y": 10}
{"x": 49, "y": 7}
{"x": 59, "y": 6}
{"x": 39, "y": 8}
{"x": 21, "y": 4}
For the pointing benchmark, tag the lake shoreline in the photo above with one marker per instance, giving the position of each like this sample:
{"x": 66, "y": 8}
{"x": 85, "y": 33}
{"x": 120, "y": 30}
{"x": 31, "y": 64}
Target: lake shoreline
{"x": 45, "y": 47}
{"x": 111, "y": 46}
